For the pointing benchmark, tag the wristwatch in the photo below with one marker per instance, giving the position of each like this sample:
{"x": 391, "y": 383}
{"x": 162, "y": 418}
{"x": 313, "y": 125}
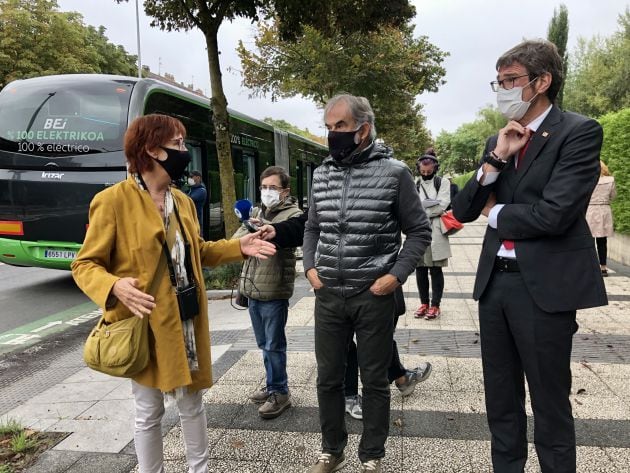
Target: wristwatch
{"x": 493, "y": 160}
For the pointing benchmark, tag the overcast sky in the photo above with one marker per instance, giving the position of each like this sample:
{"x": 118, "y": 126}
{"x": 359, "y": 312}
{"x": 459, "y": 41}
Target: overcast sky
{"x": 474, "y": 32}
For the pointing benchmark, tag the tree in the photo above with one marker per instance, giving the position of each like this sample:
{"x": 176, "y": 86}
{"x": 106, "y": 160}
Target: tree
{"x": 208, "y": 15}
{"x": 558, "y": 33}
{"x": 460, "y": 151}
{"x": 37, "y": 40}
{"x": 286, "y": 126}
{"x": 599, "y": 76}
{"x": 388, "y": 66}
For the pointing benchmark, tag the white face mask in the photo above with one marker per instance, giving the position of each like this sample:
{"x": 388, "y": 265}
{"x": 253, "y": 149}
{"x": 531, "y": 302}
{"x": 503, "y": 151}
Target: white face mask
{"x": 269, "y": 197}
{"x": 191, "y": 181}
{"x": 510, "y": 102}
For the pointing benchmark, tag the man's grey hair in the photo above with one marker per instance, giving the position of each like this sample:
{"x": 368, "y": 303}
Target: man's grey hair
{"x": 360, "y": 109}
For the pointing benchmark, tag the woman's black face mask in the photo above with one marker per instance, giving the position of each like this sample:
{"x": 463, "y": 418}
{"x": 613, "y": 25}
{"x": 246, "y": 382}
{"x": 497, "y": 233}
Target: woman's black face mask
{"x": 175, "y": 163}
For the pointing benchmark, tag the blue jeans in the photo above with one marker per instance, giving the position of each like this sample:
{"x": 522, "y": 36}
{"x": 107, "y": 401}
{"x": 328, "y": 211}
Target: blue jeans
{"x": 268, "y": 320}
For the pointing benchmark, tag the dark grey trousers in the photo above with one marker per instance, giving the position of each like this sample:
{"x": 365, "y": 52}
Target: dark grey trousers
{"x": 336, "y": 320}
{"x": 519, "y": 339}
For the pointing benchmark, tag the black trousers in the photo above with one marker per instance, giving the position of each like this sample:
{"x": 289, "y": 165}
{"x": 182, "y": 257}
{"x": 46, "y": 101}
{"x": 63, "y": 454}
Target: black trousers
{"x": 437, "y": 284}
{"x": 336, "y": 320}
{"x": 518, "y": 338}
{"x": 394, "y": 371}
{"x": 602, "y": 249}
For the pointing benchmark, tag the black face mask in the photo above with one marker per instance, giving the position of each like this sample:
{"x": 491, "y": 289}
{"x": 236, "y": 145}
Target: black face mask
{"x": 341, "y": 144}
{"x": 427, "y": 177}
{"x": 175, "y": 163}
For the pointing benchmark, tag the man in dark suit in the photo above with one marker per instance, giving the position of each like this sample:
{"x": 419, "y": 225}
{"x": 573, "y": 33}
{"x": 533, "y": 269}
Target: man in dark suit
{"x": 538, "y": 263}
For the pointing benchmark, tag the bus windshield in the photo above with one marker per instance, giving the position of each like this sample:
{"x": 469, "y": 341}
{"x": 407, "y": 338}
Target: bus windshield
{"x": 63, "y": 117}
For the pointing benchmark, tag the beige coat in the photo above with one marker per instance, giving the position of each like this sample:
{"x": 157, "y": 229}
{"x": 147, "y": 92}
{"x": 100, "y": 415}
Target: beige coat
{"x": 124, "y": 239}
{"x": 440, "y": 249}
{"x": 598, "y": 214}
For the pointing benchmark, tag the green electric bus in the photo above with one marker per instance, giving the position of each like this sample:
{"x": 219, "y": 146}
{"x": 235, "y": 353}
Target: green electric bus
{"x": 61, "y": 142}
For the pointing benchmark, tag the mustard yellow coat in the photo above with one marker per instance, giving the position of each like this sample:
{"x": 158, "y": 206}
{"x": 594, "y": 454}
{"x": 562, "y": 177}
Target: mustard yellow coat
{"x": 124, "y": 239}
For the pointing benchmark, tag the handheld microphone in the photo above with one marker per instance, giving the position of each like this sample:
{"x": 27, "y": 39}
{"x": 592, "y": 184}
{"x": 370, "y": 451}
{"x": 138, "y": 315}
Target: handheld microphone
{"x": 243, "y": 210}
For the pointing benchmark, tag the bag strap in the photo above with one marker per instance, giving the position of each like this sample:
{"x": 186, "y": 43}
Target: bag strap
{"x": 437, "y": 183}
{"x": 187, "y": 258}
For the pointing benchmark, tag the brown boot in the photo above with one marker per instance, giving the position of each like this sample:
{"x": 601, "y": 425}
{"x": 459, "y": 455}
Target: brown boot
{"x": 259, "y": 396}
{"x": 276, "y": 404}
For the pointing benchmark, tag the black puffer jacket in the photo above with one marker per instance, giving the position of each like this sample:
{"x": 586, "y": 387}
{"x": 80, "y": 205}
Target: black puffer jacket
{"x": 358, "y": 209}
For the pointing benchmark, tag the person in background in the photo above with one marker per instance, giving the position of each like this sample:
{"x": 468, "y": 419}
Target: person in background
{"x": 120, "y": 260}
{"x": 538, "y": 264}
{"x": 404, "y": 379}
{"x": 354, "y": 258}
{"x": 435, "y": 195}
{"x": 269, "y": 284}
{"x": 599, "y": 214}
{"x": 198, "y": 193}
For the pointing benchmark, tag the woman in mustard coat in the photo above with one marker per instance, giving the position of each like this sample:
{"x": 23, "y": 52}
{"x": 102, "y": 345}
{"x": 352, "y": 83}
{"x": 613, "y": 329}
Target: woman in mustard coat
{"x": 122, "y": 267}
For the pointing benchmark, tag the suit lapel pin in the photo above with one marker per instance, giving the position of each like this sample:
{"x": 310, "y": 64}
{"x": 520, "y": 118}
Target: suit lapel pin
{"x": 545, "y": 134}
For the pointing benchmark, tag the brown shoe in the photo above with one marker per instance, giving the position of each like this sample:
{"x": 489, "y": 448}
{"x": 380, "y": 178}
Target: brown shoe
{"x": 275, "y": 405}
{"x": 327, "y": 463}
{"x": 259, "y": 396}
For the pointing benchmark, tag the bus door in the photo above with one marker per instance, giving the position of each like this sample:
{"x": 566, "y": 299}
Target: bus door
{"x": 249, "y": 176}
{"x": 304, "y": 180}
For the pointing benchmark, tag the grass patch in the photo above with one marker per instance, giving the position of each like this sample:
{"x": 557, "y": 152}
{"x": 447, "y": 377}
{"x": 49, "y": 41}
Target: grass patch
{"x": 20, "y": 447}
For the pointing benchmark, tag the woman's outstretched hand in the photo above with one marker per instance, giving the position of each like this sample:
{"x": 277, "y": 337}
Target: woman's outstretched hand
{"x": 252, "y": 245}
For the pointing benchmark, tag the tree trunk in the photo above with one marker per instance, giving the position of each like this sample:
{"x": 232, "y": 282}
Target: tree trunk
{"x": 222, "y": 133}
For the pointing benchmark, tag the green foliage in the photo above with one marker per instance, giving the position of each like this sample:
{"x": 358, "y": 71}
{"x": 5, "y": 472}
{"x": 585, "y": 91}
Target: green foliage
{"x": 558, "y": 33}
{"x": 286, "y": 126}
{"x": 10, "y": 427}
{"x": 463, "y": 179}
{"x": 389, "y": 67}
{"x": 360, "y": 16}
{"x": 36, "y": 39}
{"x": 460, "y": 151}
{"x": 6, "y": 468}
{"x": 616, "y": 154}
{"x": 222, "y": 277}
{"x": 599, "y": 76}
{"x": 21, "y": 442}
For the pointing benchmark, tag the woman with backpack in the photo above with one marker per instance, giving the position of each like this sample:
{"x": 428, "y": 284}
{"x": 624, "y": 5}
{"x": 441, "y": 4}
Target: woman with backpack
{"x": 435, "y": 195}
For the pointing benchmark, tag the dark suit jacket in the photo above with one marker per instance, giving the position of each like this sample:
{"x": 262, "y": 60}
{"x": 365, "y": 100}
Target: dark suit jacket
{"x": 546, "y": 200}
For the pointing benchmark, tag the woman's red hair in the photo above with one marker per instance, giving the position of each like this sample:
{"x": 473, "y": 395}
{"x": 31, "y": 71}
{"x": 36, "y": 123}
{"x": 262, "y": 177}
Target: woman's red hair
{"x": 149, "y": 132}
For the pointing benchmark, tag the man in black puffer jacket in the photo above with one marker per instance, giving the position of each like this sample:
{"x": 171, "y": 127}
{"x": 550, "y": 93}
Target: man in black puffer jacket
{"x": 362, "y": 200}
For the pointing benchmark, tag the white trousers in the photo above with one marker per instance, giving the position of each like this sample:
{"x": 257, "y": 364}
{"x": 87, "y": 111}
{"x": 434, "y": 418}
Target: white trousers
{"x": 149, "y": 404}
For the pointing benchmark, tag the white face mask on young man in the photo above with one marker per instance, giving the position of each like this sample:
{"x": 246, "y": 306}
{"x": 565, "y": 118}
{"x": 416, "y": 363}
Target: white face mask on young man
{"x": 269, "y": 197}
{"x": 510, "y": 102}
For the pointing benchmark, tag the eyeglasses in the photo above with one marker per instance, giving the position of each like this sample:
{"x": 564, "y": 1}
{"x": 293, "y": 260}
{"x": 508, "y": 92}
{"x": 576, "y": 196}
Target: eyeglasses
{"x": 506, "y": 84}
{"x": 271, "y": 188}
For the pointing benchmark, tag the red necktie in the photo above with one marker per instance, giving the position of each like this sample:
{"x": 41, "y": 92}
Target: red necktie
{"x": 521, "y": 153}
{"x": 509, "y": 244}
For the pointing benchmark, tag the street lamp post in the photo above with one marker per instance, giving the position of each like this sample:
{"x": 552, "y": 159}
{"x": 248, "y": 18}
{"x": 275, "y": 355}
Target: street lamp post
{"x": 138, "y": 37}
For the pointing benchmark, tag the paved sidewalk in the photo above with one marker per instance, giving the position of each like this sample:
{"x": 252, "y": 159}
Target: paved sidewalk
{"x": 440, "y": 428}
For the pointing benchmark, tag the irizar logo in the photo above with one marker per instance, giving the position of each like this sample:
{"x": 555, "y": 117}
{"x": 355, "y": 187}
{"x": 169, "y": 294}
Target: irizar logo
{"x": 52, "y": 175}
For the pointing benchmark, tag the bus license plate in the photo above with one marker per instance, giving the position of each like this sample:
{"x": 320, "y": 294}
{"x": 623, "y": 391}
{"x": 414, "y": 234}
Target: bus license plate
{"x": 60, "y": 254}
